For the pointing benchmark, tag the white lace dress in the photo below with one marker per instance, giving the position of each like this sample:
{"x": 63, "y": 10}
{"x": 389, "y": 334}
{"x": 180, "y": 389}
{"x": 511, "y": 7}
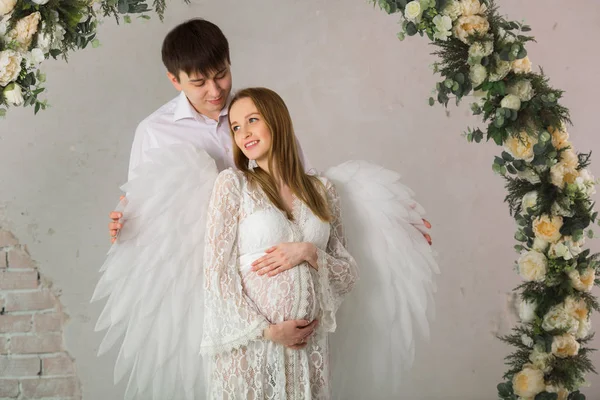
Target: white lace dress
{"x": 239, "y": 304}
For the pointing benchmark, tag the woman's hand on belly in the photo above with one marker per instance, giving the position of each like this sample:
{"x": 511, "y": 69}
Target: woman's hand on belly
{"x": 293, "y": 334}
{"x": 285, "y": 256}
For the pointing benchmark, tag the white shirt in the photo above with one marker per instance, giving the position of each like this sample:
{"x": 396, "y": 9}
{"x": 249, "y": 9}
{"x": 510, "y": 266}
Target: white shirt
{"x": 178, "y": 122}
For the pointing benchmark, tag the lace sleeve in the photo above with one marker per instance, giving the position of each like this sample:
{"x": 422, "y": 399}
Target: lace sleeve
{"x": 230, "y": 319}
{"x": 337, "y": 270}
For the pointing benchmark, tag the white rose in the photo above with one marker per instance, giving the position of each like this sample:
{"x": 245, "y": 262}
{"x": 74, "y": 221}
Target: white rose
{"x": 526, "y": 340}
{"x": 558, "y": 250}
{"x": 413, "y": 11}
{"x": 586, "y": 183}
{"x": 472, "y": 7}
{"x": 564, "y": 346}
{"x": 10, "y": 66}
{"x": 561, "y": 174}
{"x": 46, "y": 42}
{"x": 540, "y": 359}
{"x": 453, "y": 9}
{"x": 478, "y": 50}
{"x": 40, "y": 2}
{"x": 558, "y": 209}
{"x": 527, "y": 310}
{"x": 563, "y": 394}
{"x": 443, "y": 25}
{"x": 521, "y": 146}
{"x": 25, "y": 29}
{"x": 521, "y": 66}
{"x": 501, "y": 69}
{"x": 547, "y": 227}
{"x": 14, "y": 95}
{"x": 529, "y": 175}
{"x": 477, "y": 74}
{"x": 522, "y": 89}
{"x": 529, "y": 382}
{"x": 540, "y": 245}
{"x": 4, "y": 24}
{"x": 470, "y": 25}
{"x": 529, "y": 201}
{"x": 585, "y": 327}
{"x": 7, "y": 6}
{"x": 558, "y": 318}
{"x": 511, "y": 101}
{"x": 532, "y": 266}
{"x": 583, "y": 282}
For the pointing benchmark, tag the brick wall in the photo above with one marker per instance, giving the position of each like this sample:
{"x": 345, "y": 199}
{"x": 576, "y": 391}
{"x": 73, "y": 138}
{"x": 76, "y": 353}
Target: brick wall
{"x": 33, "y": 361}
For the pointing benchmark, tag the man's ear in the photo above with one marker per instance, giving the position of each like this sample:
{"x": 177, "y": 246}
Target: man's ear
{"x": 174, "y": 81}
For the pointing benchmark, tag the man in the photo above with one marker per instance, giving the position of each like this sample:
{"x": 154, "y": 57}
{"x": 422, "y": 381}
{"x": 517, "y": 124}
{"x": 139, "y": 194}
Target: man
{"x": 196, "y": 55}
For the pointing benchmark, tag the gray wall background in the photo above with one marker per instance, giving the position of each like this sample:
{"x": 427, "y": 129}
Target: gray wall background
{"x": 354, "y": 91}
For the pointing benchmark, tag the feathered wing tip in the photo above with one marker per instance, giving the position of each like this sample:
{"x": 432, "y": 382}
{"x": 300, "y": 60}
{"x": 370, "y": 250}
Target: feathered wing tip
{"x": 392, "y": 304}
{"x": 152, "y": 276}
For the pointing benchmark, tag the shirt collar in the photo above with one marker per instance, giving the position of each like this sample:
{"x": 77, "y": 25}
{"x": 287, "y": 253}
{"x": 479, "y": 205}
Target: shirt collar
{"x": 183, "y": 108}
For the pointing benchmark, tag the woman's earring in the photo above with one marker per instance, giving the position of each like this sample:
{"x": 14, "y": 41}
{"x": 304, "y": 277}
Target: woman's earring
{"x": 252, "y": 164}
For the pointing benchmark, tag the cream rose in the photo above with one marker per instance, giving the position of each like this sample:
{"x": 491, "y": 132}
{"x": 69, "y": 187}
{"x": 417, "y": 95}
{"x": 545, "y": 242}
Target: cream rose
{"x": 561, "y": 174}
{"x": 559, "y": 318}
{"x": 14, "y": 95}
{"x": 577, "y": 308}
{"x": 560, "y": 137}
{"x": 540, "y": 359}
{"x": 511, "y": 101}
{"x": 25, "y": 29}
{"x": 529, "y": 382}
{"x": 10, "y": 66}
{"x": 521, "y": 66}
{"x": 564, "y": 346}
{"x": 521, "y": 146}
{"x": 522, "y": 89}
{"x": 6, "y": 6}
{"x": 569, "y": 158}
{"x": 548, "y": 227}
{"x": 470, "y": 25}
{"x": 40, "y": 2}
{"x": 532, "y": 266}
{"x": 453, "y": 9}
{"x": 477, "y": 74}
{"x": 413, "y": 11}
{"x": 583, "y": 282}
{"x": 527, "y": 310}
{"x": 472, "y": 7}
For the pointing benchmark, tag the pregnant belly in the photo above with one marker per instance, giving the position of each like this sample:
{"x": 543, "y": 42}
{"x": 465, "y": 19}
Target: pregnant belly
{"x": 285, "y": 296}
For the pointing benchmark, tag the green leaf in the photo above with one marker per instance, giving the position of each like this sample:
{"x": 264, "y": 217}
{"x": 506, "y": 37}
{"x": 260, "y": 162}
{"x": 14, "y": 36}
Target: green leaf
{"x": 590, "y": 233}
{"x": 2, "y": 112}
{"x": 547, "y": 396}
{"x": 539, "y": 148}
{"x": 514, "y": 115}
{"x": 95, "y": 43}
{"x": 507, "y": 156}
{"x": 460, "y": 78}
{"x": 522, "y": 53}
{"x": 511, "y": 169}
{"x": 505, "y": 389}
{"x": 431, "y": 101}
{"x": 520, "y": 236}
{"x": 127, "y": 19}
{"x": 411, "y": 29}
{"x": 37, "y": 108}
{"x": 499, "y": 121}
{"x": 499, "y": 161}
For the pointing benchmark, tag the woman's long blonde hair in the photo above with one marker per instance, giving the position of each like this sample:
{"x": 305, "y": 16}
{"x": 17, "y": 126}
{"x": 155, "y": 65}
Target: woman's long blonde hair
{"x": 283, "y": 155}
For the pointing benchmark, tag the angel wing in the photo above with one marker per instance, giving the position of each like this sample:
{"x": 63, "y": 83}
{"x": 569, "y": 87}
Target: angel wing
{"x": 153, "y": 276}
{"x": 393, "y": 301}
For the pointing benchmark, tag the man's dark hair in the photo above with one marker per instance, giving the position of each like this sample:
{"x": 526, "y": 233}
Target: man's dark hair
{"x": 195, "y": 46}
